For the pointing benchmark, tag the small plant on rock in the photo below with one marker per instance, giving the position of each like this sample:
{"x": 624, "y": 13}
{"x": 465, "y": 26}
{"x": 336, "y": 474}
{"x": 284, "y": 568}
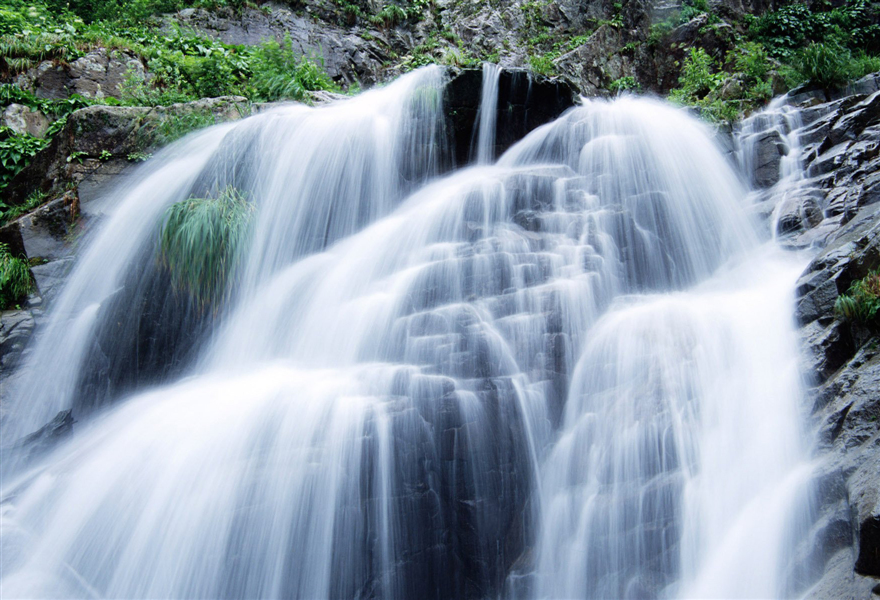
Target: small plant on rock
{"x": 862, "y": 302}
{"x": 15, "y": 279}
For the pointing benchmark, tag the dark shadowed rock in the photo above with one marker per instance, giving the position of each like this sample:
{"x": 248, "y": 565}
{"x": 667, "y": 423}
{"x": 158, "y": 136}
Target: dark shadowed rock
{"x": 525, "y": 102}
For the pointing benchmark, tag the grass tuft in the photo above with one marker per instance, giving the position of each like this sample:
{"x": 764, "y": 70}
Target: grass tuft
{"x": 201, "y": 244}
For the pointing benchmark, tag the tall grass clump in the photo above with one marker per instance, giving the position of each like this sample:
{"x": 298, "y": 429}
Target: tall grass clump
{"x": 15, "y": 279}
{"x": 826, "y": 65}
{"x": 277, "y": 73}
{"x": 201, "y": 243}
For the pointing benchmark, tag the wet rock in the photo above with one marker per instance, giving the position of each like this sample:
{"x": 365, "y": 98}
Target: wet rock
{"x": 47, "y": 437}
{"x": 16, "y": 328}
{"x": 863, "y": 114}
{"x": 829, "y": 160}
{"x": 596, "y": 63}
{"x": 798, "y": 213}
{"x": 844, "y": 360}
{"x": 770, "y": 148}
{"x": 347, "y": 57}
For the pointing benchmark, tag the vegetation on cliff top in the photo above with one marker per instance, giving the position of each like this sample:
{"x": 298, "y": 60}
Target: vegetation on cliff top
{"x": 819, "y": 45}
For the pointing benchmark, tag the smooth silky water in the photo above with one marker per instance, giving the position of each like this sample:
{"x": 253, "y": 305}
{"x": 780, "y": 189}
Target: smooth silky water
{"x": 568, "y": 374}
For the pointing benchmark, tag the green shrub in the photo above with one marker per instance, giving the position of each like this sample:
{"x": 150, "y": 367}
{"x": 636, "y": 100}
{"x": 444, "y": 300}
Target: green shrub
{"x": 825, "y": 65}
{"x": 692, "y": 9}
{"x": 752, "y": 60}
{"x": 389, "y": 16}
{"x": 862, "y": 302}
{"x": 542, "y": 65}
{"x": 791, "y": 28}
{"x": 862, "y": 64}
{"x": 698, "y": 75}
{"x": 201, "y": 243}
{"x": 15, "y": 279}
{"x": 279, "y": 74}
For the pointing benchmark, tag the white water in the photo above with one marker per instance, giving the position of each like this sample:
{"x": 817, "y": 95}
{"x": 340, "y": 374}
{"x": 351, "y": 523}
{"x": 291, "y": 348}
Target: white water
{"x": 487, "y": 116}
{"x": 575, "y": 366}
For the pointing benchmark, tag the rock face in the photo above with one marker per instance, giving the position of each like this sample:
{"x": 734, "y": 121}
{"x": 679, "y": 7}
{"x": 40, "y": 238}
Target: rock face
{"x": 98, "y": 74}
{"x": 97, "y": 144}
{"x": 97, "y": 135}
{"x": 24, "y": 120}
{"x": 348, "y": 55}
{"x": 845, "y": 361}
{"x": 836, "y": 208}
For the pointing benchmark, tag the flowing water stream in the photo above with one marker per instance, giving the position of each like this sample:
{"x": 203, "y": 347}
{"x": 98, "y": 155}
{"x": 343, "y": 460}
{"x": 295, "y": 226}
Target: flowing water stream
{"x": 570, "y": 373}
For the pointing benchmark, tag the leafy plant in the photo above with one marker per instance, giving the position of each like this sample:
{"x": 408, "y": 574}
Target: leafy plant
{"x": 623, "y": 84}
{"x": 201, "y": 241}
{"x": 15, "y": 279}
{"x": 861, "y": 303}
{"x": 279, "y": 74}
{"x": 692, "y": 9}
{"x": 825, "y": 65}
{"x": 542, "y": 65}
{"x": 16, "y": 152}
{"x": 389, "y": 16}
{"x": 699, "y": 75}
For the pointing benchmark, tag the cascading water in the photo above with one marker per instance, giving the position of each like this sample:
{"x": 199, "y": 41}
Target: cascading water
{"x": 378, "y": 148}
{"x": 488, "y": 113}
{"x": 567, "y": 374}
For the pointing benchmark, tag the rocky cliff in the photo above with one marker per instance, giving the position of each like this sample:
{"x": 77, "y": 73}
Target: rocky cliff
{"x": 833, "y": 212}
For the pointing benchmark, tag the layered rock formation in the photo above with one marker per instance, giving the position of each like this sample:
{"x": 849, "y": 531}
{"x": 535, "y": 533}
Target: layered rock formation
{"x": 835, "y": 208}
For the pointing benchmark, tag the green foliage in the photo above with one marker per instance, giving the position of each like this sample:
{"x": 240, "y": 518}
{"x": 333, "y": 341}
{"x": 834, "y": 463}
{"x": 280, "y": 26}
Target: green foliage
{"x": 700, "y": 81}
{"x": 279, "y": 74}
{"x": 176, "y": 126}
{"x": 752, "y": 60}
{"x": 542, "y": 65}
{"x": 15, "y": 279}
{"x": 795, "y": 26}
{"x": 389, "y": 16}
{"x": 699, "y": 74}
{"x": 201, "y": 243}
{"x": 16, "y": 152}
{"x": 623, "y": 84}
{"x": 861, "y": 303}
{"x": 8, "y": 213}
{"x": 825, "y": 65}
{"x": 139, "y": 156}
{"x": 658, "y": 33}
{"x": 692, "y": 9}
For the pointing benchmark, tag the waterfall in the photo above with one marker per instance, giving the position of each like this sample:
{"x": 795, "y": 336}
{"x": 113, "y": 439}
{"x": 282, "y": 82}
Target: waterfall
{"x": 487, "y": 114}
{"x": 570, "y": 373}
{"x": 378, "y": 147}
